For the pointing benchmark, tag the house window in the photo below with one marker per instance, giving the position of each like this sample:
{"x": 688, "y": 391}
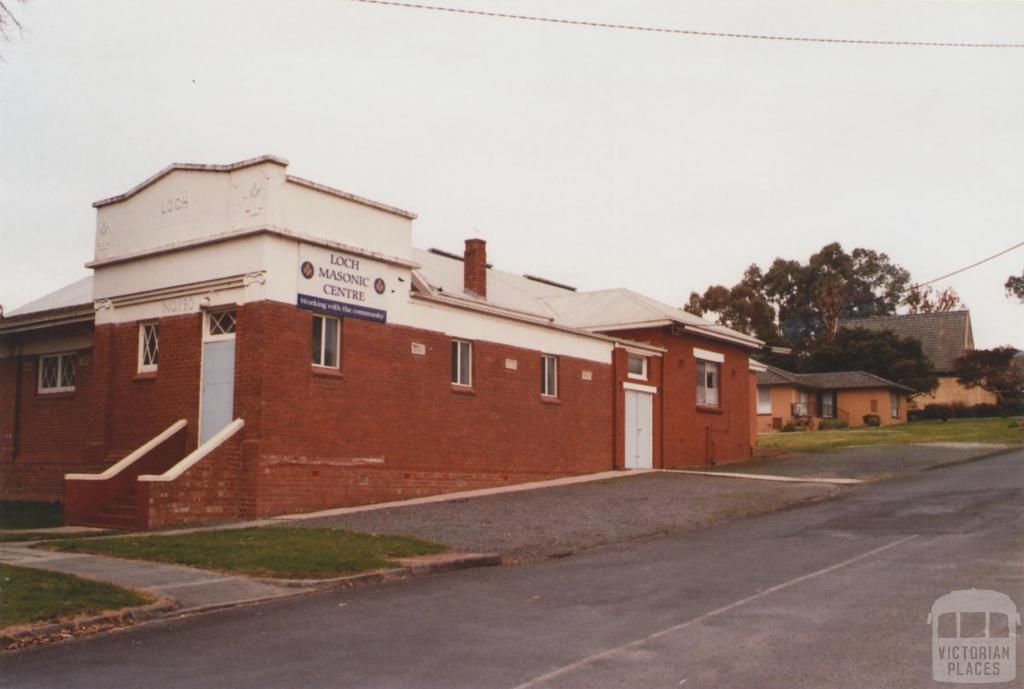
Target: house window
{"x": 549, "y": 376}
{"x": 149, "y": 346}
{"x": 874, "y": 406}
{"x": 637, "y": 366}
{"x": 764, "y": 399}
{"x": 57, "y": 372}
{"x": 462, "y": 362}
{"x": 707, "y": 383}
{"x": 326, "y": 331}
{"x": 800, "y": 409}
{"x": 828, "y": 405}
{"x": 894, "y": 403}
{"x": 220, "y": 324}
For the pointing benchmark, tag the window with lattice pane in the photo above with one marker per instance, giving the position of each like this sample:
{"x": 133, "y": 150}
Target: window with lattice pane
{"x": 57, "y": 372}
{"x": 221, "y": 323}
{"x": 149, "y": 346}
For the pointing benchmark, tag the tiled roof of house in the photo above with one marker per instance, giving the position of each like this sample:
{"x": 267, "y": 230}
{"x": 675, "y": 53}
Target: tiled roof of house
{"x": 943, "y": 336}
{"x": 835, "y": 380}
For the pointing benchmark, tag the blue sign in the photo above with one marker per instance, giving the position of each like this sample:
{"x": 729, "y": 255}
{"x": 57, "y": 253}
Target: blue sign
{"x": 338, "y": 308}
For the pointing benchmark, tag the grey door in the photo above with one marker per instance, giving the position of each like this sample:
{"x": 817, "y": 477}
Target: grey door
{"x": 218, "y": 388}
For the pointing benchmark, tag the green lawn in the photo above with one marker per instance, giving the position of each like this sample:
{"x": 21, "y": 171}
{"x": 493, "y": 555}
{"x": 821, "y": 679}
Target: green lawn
{"x": 31, "y": 595}
{"x": 20, "y": 514}
{"x": 1000, "y": 431}
{"x": 28, "y": 535}
{"x": 277, "y": 552}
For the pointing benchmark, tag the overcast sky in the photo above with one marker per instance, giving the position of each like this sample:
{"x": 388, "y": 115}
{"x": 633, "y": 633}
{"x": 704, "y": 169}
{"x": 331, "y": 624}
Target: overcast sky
{"x": 595, "y": 157}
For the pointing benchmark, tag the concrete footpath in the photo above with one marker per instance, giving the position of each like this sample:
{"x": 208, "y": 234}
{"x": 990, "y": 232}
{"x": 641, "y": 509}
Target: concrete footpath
{"x": 178, "y": 591}
{"x": 190, "y": 589}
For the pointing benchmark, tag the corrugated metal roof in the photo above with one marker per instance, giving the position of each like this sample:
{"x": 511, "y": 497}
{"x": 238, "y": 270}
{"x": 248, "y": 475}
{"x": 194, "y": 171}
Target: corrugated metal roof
{"x": 504, "y": 290}
{"x": 598, "y": 311}
{"x": 78, "y": 293}
{"x": 944, "y": 336}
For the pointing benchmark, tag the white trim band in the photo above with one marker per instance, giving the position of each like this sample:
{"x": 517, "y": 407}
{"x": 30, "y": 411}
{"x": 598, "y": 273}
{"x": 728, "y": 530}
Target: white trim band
{"x": 637, "y": 387}
{"x": 706, "y": 355}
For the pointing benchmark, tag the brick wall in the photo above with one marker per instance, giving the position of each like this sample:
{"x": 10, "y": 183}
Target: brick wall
{"x": 45, "y": 435}
{"x": 112, "y": 410}
{"x": 144, "y": 404}
{"x": 691, "y": 435}
{"x": 859, "y": 402}
{"x": 207, "y": 491}
{"x": 389, "y": 424}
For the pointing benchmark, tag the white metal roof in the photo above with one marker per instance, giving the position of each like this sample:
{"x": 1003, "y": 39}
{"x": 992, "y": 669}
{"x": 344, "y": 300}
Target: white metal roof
{"x": 597, "y": 311}
{"x": 77, "y": 293}
{"x": 504, "y": 289}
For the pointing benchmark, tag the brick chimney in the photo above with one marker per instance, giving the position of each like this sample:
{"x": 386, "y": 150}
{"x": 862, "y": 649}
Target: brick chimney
{"x": 474, "y": 267}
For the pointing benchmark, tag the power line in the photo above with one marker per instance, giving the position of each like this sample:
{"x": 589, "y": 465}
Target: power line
{"x": 685, "y": 32}
{"x": 965, "y": 268}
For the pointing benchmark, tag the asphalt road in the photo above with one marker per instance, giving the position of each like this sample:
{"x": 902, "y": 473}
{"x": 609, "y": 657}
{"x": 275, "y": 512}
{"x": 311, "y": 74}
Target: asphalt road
{"x": 834, "y": 594}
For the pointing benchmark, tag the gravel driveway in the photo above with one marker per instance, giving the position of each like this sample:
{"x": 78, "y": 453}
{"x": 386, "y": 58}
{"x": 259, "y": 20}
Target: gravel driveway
{"x": 550, "y": 522}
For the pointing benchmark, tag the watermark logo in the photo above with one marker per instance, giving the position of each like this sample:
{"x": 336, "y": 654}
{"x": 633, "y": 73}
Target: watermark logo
{"x": 974, "y": 637}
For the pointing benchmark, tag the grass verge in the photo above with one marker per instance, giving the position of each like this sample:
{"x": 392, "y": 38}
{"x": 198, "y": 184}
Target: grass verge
{"x": 996, "y": 431}
{"x": 273, "y": 552}
{"x": 16, "y": 536}
{"x": 21, "y": 514}
{"x": 32, "y": 595}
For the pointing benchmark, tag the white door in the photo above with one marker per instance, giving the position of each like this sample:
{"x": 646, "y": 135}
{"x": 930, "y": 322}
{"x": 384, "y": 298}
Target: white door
{"x": 217, "y": 388}
{"x": 639, "y": 430}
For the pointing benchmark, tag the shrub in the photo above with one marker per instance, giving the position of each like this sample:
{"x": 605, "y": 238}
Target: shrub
{"x": 986, "y": 411}
{"x": 789, "y": 428}
{"x": 937, "y": 411}
{"x": 832, "y": 424}
{"x": 872, "y": 420}
{"x": 958, "y": 410}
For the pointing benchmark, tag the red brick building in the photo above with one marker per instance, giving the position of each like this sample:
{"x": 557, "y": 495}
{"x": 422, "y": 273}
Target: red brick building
{"x": 252, "y": 343}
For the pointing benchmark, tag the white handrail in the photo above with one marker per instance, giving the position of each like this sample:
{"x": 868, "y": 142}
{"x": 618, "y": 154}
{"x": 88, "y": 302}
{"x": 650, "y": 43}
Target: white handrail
{"x": 222, "y": 436}
{"x": 121, "y": 465}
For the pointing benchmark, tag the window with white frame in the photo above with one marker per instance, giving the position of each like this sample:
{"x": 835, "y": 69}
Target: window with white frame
{"x": 462, "y": 362}
{"x": 828, "y": 404}
{"x": 707, "y": 383}
{"x": 57, "y": 372}
{"x": 149, "y": 346}
{"x": 548, "y": 376}
{"x": 802, "y": 407}
{"x": 636, "y": 366}
{"x": 326, "y": 339}
{"x": 220, "y": 324}
{"x": 894, "y": 403}
{"x": 764, "y": 399}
